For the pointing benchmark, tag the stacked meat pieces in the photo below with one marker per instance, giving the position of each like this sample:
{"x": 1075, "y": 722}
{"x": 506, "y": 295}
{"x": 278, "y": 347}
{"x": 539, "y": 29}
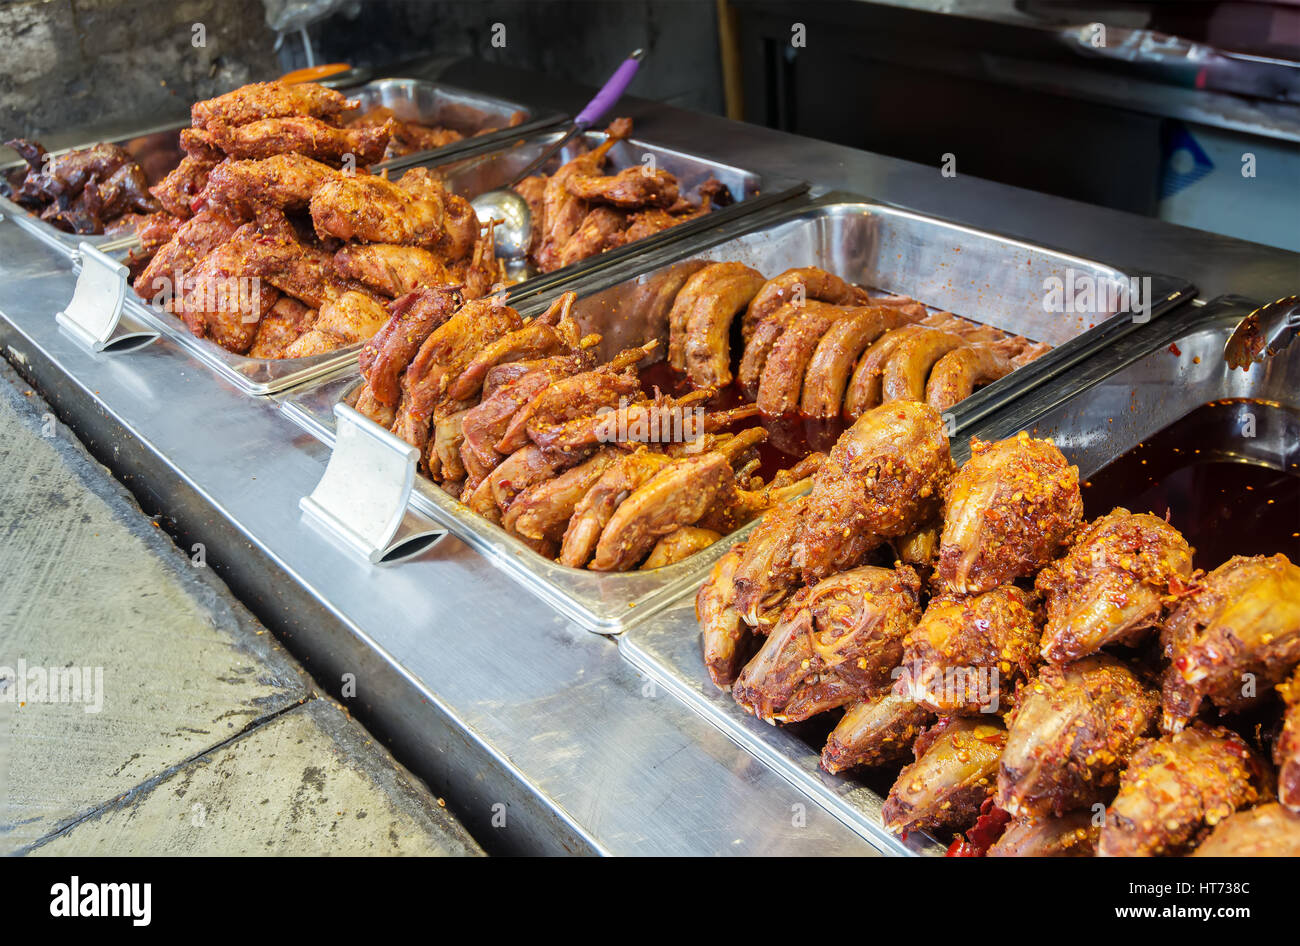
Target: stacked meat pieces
{"x": 81, "y": 191}
{"x": 275, "y": 242}
{"x": 519, "y": 420}
{"x": 818, "y": 346}
{"x": 580, "y": 211}
{"x": 1048, "y": 686}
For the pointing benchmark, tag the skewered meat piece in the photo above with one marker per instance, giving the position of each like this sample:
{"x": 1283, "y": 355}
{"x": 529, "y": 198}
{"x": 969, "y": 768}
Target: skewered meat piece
{"x": 370, "y": 209}
{"x": 1071, "y": 732}
{"x": 1286, "y": 751}
{"x": 516, "y": 473}
{"x": 1111, "y": 586}
{"x": 1007, "y": 512}
{"x": 908, "y": 370}
{"x": 284, "y": 181}
{"x": 1073, "y": 834}
{"x": 310, "y": 136}
{"x": 269, "y": 100}
{"x": 846, "y": 630}
{"x": 838, "y": 351}
{"x": 345, "y": 320}
{"x": 1234, "y": 637}
{"x": 799, "y": 285}
{"x": 679, "y": 545}
{"x": 875, "y": 731}
{"x": 968, "y": 653}
{"x": 884, "y": 478}
{"x": 955, "y": 376}
{"x": 725, "y": 637}
{"x": 953, "y": 775}
{"x": 383, "y": 358}
{"x": 699, "y": 323}
{"x": 1179, "y": 787}
{"x": 1263, "y": 831}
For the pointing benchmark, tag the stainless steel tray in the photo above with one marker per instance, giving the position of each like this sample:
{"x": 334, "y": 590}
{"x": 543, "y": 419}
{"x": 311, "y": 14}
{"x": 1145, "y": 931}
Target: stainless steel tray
{"x": 868, "y": 243}
{"x": 1090, "y": 414}
{"x": 494, "y": 165}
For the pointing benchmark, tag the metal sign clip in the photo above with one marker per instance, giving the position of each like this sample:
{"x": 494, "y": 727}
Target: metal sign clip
{"x": 361, "y": 499}
{"x": 94, "y": 316}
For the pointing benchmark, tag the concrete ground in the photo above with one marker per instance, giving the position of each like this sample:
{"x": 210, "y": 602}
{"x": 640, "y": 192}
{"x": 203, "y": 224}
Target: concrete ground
{"x": 143, "y": 710}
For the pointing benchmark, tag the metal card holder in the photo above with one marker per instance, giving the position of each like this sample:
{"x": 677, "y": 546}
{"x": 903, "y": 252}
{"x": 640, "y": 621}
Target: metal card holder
{"x": 94, "y": 316}
{"x": 361, "y": 500}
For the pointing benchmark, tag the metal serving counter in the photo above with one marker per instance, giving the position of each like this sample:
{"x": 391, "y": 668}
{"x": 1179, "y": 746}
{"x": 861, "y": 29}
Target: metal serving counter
{"x": 541, "y": 736}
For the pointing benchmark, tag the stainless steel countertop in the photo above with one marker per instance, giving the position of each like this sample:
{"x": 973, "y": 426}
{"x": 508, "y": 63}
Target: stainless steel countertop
{"x": 483, "y": 690}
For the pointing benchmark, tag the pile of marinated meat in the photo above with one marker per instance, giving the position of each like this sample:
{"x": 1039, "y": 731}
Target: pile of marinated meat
{"x": 1048, "y": 686}
{"x": 81, "y": 191}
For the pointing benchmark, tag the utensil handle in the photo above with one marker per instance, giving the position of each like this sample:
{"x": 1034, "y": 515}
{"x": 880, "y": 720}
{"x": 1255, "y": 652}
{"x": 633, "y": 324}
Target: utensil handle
{"x": 610, "y": 92}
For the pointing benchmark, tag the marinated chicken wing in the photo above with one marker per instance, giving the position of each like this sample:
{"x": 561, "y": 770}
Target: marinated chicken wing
{"x": 552, "y": 333}
{"x": 269, "y": 100}
{"x": 310, "y": 136}
{"x": 1234, "y": 637}
{"x": 412, "y": 319}
{"x": 875, "y": 731}
{"x": 953, "y": 775}
{"x": 1007, "y": 513}
{"x": 1177, "y": 788}
{"x": 345, "y": 320}
{"x": 967, "y": 654}
{"x": 542, "y": 511}
{"x": 163, "y": 279}
{"x": 884, "y": 478}
{"x": 281, "y": 327}
{"x": 1263, "y": 831}
{"x": 371, "y": 209}
{"x": 1112, "y": 585}
{"x": 632, "y": 188}
{"x": 1073, "y": 834}
{"x": 1071, "y": 732}
{"x": 594, "y": 511}
{"x": 285, "y": 181}
{"x": 178, "y": 191}
{"x": 848, "y": 630}
{"x": 563, "y": 211}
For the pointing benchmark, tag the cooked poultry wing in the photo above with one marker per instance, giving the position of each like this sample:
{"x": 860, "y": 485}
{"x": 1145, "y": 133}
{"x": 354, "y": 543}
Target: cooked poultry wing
{"x": 953, "y": 775}
{"x": 875, "y": 731}
{"x": 285, "y": 181}
{"x": 373, "y": 209}
{"x": 968, "y": 653}
{"x": 1180, "y": 786}
{"x": 1233, "y": 637}
{"x": 1071, "y": 732}
{"x": 1006, "y": 513}
{"x": 725, "y": 636}
{"x": 884, "y": 478}
{"x": 1112, "y": 585}
{"x": 1263, "y": 831}
{"x": 1286, "y": 751}
{"x": 836, "y": 641}
{"x": 1073, "y": 834}
{"x": 262, "y": 100}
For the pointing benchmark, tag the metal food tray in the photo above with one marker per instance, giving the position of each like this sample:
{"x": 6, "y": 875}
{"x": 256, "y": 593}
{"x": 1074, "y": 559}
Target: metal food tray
{"x": 1090, "y": 414}
{"x": 989, "y": 278}
{"x": 493, "y": 166}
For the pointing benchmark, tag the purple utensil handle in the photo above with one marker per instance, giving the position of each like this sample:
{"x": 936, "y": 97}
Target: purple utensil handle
{"x": 609, "y": 93}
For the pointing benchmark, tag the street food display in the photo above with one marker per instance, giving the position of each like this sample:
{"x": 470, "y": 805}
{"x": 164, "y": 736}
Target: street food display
{"x": 1040, "y": 684}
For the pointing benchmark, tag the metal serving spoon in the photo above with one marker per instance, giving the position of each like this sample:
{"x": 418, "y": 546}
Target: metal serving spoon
{"x": 514, "y": 229}
{"x": 1263, "y": 333}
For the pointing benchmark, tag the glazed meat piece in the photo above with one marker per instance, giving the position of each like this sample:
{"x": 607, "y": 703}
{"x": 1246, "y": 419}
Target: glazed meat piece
{"x": 308, "y": 136}
{"x": 953, "y": 775}
{"x": 1112, "y": 585}
{"x": 632, "y": 188}
{"x": 1286, "y": 751}
{"x": 543, "y": 510}
{"x": 285, "y": 181}
{"x": 1179, "y": 787}
{"x": 124, "y": 191}
{"x": 799, "y": 285}
{"x": 1243, "y": 618}
{"x": 781, "y": 382}
{"x": 219, "y": 302}
{"x": 183, "y": 185}
{"x": 51, "y": 177}
{"x": 865, "y": 384}
{"x": 298, "y": 269}
{"x": 908, "y": 370}
{"x": 725, "y": 637}
{"x": 699, "y": 341}
{"x": 551, "y": 333}
{"x": 884, "y": 478}
{"x": 1264, "y": 831}
{"x": 838, "y": 351}
{"x": 162, "y": 280}
{"x": 1074, "y": 834}
{"x": 1071, "y": 732}
{"x": 281, "y": 327}
{"x": 679, "y": 545}
{"x": 562, "y": 211}
{"x": 594, "y": 511}
{"x": 1007, "y": 513}
{"x": 345, "y": 320}
{"x": 766, "y": 575}
{"x": 371, "y": 209}
{"x": 955, "y": 376}
{"x": 516, "y": 473}
{"x": 848, "y": 629}
{"x": 269, "y": 100}
{"x": 874, "y": 731}
{"x": 412, "y": 319}
{"x": 968, "y": 653}
{"x": 600, "y": 230}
